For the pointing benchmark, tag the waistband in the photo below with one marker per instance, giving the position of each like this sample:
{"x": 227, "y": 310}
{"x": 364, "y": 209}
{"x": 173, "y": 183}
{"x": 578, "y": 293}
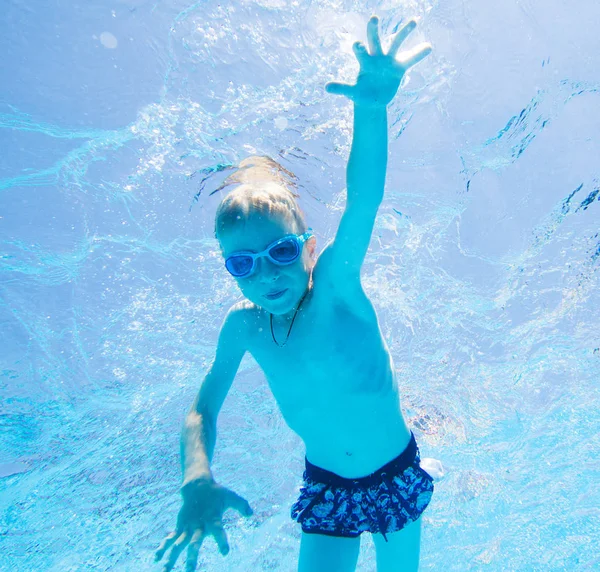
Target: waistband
{"x": 394, "y": 467}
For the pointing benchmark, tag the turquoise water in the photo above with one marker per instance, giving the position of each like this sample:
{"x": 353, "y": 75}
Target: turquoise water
{"x": 117, "y": 121}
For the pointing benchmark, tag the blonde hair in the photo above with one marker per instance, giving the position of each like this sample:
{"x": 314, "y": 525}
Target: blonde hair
{"x": 265, "y": 189}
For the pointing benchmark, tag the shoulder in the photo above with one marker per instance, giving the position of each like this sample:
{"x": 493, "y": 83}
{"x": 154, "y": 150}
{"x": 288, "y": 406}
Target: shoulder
{"x": 243, "y": 306}
{"x": 235, "y": 324}
{"x": 242, "y": 311}
{"x": 241, "y": 318}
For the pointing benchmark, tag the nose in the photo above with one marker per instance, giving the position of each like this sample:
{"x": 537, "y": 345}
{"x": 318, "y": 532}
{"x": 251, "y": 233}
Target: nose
{"x": 266, "y": 270}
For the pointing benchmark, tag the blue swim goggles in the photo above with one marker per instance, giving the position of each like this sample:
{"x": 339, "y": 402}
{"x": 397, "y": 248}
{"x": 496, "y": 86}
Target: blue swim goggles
{"x": 281, "y": 252}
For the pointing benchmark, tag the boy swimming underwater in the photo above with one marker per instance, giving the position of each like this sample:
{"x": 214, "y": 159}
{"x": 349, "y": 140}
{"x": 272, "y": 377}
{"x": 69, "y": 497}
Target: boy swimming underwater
{"x": 363, "y": 470}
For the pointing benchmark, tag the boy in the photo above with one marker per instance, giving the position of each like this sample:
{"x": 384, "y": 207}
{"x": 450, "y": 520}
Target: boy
{"x": 362, "y": 463}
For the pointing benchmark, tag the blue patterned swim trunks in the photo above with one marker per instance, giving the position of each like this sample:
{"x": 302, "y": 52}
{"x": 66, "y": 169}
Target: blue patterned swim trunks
{"x": 384, "y": 501}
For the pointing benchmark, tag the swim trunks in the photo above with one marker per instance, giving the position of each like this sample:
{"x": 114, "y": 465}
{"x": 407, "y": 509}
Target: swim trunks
{"x": 384, "y": 501}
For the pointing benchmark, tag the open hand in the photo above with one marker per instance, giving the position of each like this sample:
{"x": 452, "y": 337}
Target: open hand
{"x": 204, "y": 503}
{"x": 380, "y": 74}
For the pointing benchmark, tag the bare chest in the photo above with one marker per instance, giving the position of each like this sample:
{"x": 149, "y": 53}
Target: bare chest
{"x": 334, "y": 384}
{"x": 332, "y": 353}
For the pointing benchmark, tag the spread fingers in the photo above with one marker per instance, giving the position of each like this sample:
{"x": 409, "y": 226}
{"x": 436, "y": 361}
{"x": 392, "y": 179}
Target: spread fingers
{"x": 164, "y": 545}
{"x": 401, "y": 36}
{"x": 414, "y": 56}
{"x": 178, "y": 547}
{"x": 220, "y": 537}
{"x": 194, "y": 550}
{"x": 360, "y": 51}
{"x": 373, "y": 36}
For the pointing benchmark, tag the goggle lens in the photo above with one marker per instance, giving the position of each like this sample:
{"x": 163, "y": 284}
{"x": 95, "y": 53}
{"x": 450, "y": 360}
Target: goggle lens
{"x": 239, "y": 265}
{"x": 286, "y": 251}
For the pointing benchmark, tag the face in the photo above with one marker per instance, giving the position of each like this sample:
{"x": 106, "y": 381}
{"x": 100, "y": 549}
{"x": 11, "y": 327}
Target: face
{"x": 255, "y": 235}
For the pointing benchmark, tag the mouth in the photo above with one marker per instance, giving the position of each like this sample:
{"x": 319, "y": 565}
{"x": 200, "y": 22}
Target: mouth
{"x": 275, "y": 295}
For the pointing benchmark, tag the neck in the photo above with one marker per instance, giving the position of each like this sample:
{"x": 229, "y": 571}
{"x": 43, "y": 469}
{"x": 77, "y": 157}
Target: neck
{"x": 292, "y": 322}
{"x": 289, "y": 316}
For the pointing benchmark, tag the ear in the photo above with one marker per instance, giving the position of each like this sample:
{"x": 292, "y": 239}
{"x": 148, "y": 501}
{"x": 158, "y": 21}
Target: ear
{"x": 311, "y": 245}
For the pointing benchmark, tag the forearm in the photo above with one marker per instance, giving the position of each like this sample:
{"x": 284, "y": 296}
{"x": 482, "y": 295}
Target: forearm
{"x": 198, "y": 439}
{"x": 367, "y": 165}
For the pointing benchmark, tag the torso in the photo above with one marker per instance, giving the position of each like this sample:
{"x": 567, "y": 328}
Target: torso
{"x": 333, "y": 381}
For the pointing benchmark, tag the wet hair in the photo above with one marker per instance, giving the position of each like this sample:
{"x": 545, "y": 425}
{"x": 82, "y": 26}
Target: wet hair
{"x": 265, "y": 189}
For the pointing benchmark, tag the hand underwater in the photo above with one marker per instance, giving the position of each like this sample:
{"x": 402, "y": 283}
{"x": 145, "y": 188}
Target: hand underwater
{"x": 380, "y": 74}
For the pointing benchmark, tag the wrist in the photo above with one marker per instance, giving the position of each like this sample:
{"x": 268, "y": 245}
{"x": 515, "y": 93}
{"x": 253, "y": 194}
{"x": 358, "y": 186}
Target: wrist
{"x": 371, "y": 106}
{"x": 191, "y": 482}
{"x": 199, "y": 472}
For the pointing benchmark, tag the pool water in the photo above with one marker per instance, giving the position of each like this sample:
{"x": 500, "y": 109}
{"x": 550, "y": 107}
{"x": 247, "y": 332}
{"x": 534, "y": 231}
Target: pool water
{"x": 118, "y": 120}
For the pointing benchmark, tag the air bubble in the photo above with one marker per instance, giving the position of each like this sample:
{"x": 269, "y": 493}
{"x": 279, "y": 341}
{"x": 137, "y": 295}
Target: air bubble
{"x": 108, "y": 40}
{"x": 281, "y": 123}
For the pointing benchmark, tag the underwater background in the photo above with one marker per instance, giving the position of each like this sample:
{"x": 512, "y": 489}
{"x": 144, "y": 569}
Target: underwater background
{"x": 119, "y": 119}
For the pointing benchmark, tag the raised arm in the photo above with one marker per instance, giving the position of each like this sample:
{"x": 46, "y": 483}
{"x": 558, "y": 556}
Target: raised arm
{"x": 204, "y": 501}
{"x": 377, "y": 83}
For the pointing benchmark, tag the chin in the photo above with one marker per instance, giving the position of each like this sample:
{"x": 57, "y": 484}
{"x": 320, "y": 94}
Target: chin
{"x": 283, "y": 307}
{"x": 278, "y": 310}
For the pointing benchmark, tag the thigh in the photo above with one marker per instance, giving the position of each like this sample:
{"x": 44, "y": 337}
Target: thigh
{"x": 319, "y": 552}
{"x": 401, "y": 552}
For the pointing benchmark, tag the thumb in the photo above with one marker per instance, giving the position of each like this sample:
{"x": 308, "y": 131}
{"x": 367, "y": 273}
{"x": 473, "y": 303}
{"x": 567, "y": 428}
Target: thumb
{"x": 239, "y": 503}
{"x": 339, "y": 89}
